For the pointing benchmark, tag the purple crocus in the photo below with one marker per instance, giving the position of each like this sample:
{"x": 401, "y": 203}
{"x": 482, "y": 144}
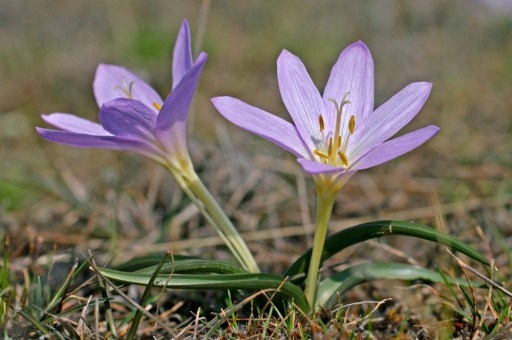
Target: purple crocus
{"x": 133, "y": 116}
{"x": 339, "y": 133}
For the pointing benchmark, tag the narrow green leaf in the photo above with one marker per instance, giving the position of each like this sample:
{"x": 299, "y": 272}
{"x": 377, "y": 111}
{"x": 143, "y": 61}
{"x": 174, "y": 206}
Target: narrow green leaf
{"x": 339, "y": 283}
{"x": 132, "y": 333}
{"x": 179, "y": 264}
{"x": 244, "y": 281}
{"x": 195, "y": 266}
{"x": 367, "y": 231}
{"x": 142, "y": 262}
{"x": 60, "y": 294}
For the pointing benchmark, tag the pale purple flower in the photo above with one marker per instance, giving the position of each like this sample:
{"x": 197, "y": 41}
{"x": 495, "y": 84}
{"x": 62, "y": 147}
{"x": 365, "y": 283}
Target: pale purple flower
{"x": 339, "y": 133}
{"x": 133, "y": 116}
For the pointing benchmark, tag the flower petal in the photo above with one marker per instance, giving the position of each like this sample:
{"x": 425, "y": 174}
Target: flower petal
{"x": 395, "y": 147}
{"x": 352, "y": 73}
{"x": 73, "y": 123}
{"x": 113, "y": 82}
{"x": 263, "y": 124}
{"x": 182, "y": 55}
{"x": 171, "y": 121}
{"x": 388, "y": 119}
{"x": 315, "y": 168}
{"x": 301, "y": 98}
{"x": 83, "y": 140}
{"x": 128, "y": 118}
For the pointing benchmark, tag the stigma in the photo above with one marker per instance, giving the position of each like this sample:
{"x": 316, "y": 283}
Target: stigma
{"x": 333, "y": 146}
{"x": 126, "y": 88}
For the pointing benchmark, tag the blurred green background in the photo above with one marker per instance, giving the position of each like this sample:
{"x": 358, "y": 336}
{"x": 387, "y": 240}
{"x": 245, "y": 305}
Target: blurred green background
{"x": 49, "y": 51}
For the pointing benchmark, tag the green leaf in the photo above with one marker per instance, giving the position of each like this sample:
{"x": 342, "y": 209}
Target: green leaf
{"x": 145, "y": 297}
{"x": 366, "y": 231}
{"x": 180, "y": 265}
{"x": 244, "y": 281}
{"x": 142, "y": 262}
{"x": 196, "y": 266}
{"x": 339, "y": 283}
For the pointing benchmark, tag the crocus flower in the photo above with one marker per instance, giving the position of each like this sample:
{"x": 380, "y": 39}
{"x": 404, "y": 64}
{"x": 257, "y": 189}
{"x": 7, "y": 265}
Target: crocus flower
{"x": 133, "y": 116}
{"x": 339, "y": 133}
{"x": 336, "y": 134}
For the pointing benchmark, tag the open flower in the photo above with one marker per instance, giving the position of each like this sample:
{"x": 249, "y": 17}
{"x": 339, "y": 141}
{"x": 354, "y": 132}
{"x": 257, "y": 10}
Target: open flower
{"x": 133, "y": 116}
{"x": 339, "y": 133}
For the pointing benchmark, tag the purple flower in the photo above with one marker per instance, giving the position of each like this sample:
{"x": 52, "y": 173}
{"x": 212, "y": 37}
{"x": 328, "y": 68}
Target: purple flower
{"x": 133, "y": 116}
{"x": 339, "y": 133}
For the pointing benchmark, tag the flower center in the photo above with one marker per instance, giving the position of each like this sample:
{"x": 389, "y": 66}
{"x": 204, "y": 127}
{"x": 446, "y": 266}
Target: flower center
{"x": 126, "y": 88}
{"x": 334, "y": 147}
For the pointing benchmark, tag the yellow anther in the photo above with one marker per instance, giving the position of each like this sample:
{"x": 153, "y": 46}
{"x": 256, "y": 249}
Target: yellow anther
{"x": 352, "y": 124}
{"x": 320, "y": 154}
{"x": 343, "y": 158}
{"x": 321, "y": 121}
{"x": 157, "y": 106}
{"x": 329, "y": 149}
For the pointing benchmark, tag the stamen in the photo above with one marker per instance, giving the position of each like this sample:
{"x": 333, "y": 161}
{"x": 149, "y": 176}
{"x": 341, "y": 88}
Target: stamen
{"x": 320, "y": 154}
{"x": 343, "y": 158}
{"x": 329, "y": 149}
{"x": 321, "y": 121}
{"x": 157, "y": 106}
{"x": 352, "y": 124}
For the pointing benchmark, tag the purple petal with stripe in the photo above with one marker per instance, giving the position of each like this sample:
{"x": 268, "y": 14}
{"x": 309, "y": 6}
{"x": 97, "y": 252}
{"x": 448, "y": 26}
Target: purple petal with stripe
{"x": 263, "y": 124}
{"x": 82, "y": 140}
{"x": 352, "y": 73}
{"x": 395, "y": 147}
{"x": 182, "y": 55}
{"x": 301, "y": 98}
{"x": 171, "y": 122}
{"x": 316, "y": 168}
{"x": 72, "y": 123}
{"x": 128, "y": 118}
{"x": 388, "y": 119}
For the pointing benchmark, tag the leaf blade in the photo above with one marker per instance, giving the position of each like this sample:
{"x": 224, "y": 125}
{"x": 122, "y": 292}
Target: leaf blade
{"x": 366, "y": 231}
{"x": 363, "y": 272}
{"x": 241, "y": 281}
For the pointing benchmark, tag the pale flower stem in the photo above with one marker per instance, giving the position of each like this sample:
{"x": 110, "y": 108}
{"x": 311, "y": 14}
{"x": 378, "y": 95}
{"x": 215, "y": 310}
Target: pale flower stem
{"x": 183, "y": 184}
{"x": 325, "y": 202}
{"x": 203, "y": 199}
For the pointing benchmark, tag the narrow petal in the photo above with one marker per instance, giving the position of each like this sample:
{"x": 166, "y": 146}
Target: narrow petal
{"x": 263, "y": 124}
{"x": 395, "y": 147}
{"x": 72, "y": 123}
{"x": 113, "y": 82}
{"x": 301, "y": 98}
{"x": 353, "y": 73}
{"x": 128, "y": 118}
{"x": 182, "y": 55}
{"x": 82, "y": 140}
{"x": 315, "y": 168}
{"x": 388, "y": 119}
{"x": 171, "y": 122}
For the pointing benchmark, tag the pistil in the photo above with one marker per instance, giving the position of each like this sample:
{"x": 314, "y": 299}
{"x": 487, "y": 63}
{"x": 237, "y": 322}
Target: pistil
{"x": 126, "y": 89}
{"x": 332, "y": 150}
